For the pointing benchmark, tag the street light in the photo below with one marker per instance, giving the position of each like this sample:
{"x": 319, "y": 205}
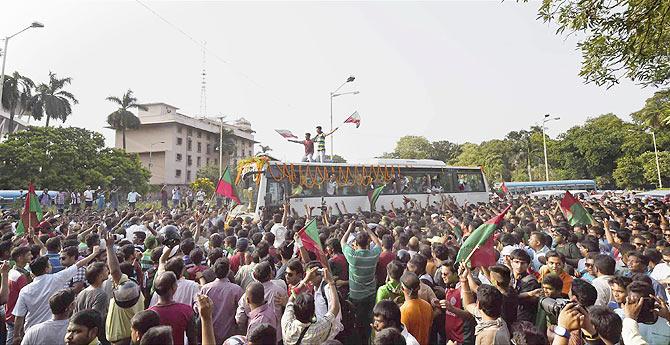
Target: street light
{"x": 4, "y": 54}
{"x": 151, "y": 149}
{"x": 658, "y": 166}
{"x": 544, "y": 143}
{"x": 335, "y": 94}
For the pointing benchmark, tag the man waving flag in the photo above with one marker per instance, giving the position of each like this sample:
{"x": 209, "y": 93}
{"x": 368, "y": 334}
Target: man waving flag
{"x": 478, "y": 247}
{"x": 574, "y": 212}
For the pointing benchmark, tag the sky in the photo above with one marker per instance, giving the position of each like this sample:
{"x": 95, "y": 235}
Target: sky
{"x": 463, "y": 71}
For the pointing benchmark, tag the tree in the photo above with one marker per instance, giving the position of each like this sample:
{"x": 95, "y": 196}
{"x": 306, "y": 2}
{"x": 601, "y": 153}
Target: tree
{"x": 656, "y": 111}
{"x": 66, "y": 159}
{"x": 51, "y": 100}
{"x": 411, "y": 147}
{"x": 265, "y": 149}
{"x": 629, "y": 173}
{"x": 203, "y": 183}
{"x": 444, "y": 150}
{"x": 621, "y": 38}
{"x": 648, "y": 160}
{"x": 208, "y": 171}
{"x": 338, "y": 159}
{"x": 122, "y": 119}
{"x": 16, "y": 96}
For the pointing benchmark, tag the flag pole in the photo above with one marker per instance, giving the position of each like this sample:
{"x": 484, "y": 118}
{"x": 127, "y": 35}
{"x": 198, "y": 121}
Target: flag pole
{"x": 467, "y": 259}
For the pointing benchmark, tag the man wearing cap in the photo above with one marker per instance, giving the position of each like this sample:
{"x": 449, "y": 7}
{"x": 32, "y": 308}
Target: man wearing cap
{"x": 126, "y": 301}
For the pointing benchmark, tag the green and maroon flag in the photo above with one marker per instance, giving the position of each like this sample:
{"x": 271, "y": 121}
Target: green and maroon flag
{"x": 478, "y": 247}
{"x": 309, "y": 236}
{"x": 32, "y": 212}
{"x": 573, "y": 211}
{"x": 373, "y": 195}
{"x": 225, "y": 187}
{"x": 502, "y": 190}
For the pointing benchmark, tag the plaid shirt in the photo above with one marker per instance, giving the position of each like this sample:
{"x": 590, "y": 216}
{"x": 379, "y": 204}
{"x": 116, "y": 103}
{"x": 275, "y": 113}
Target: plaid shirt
{"x": 317, "y": 333}
{"x": 80, "y": 277}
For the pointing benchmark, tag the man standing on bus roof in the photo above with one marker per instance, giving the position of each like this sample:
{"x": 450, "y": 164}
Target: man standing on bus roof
{"x": 309, "y": 147}
{"x": 320, "y": 139}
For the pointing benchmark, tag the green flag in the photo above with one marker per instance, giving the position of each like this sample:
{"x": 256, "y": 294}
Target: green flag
{"x": 373, "y": 195}
{"x": 478, "y": 247}
{"x": 32, "y": 212}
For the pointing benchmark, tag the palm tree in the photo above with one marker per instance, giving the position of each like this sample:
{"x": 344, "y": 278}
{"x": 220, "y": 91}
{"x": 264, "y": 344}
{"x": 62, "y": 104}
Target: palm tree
{"x": 51, "y": 100}
{"x": 265, "y": 149}
{"x": 16, "y": 96}
{"x": 656, "y": 111}
{"x": 122, "y": 118}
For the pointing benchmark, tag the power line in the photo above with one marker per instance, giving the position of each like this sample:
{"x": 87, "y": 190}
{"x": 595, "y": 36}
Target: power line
{"x": 204, "y": 48}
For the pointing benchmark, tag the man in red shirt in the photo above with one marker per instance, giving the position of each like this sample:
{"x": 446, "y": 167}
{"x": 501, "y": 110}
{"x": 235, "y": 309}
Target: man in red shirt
{"x": 237, "y": 259}
{"x": 385, "y": 257}
{"x": 177, "y": 315}
{"x": 309, "y": 147}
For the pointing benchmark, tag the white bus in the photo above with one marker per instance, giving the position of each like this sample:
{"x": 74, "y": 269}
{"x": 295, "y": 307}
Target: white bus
{"x": 268, "y": 184}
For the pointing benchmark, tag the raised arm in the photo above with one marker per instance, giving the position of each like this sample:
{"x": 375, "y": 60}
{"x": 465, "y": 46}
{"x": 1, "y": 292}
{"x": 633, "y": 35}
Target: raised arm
{"x": 4, "y": 288}
{"x": 468, "y": 302}
{"x": 343, "y": 240}
{"x": 207, "y": 328}
{"x": 334, "y": 307}
{"x": 373, "y": 236}
{"x": 112, "y": 259}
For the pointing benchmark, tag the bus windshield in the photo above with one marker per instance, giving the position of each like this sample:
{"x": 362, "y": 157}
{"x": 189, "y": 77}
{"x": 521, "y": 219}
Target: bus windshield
{"x": 247, "y": 190}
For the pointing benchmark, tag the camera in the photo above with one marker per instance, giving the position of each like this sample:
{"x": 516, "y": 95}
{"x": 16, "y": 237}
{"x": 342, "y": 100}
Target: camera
{"x": 553, "y": 307}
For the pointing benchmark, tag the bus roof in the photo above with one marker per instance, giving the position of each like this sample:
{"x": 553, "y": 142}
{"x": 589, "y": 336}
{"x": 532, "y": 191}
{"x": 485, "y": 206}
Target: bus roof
{"x": 547, "y": 183}
{"x": 410, "y": 163}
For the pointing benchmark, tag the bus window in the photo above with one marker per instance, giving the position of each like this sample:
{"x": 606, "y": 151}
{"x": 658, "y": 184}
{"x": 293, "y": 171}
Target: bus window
{"x": 248, "y": 190}
{"x": 447, "y": 182}
{"x": 470, "y": 181}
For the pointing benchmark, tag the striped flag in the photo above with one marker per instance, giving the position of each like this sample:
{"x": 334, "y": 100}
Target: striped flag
{"x": 574, "y": 212}
{"x": 286, "y": 133}
{"x": 354, "y": 118}
{"x": 225, "y": 187}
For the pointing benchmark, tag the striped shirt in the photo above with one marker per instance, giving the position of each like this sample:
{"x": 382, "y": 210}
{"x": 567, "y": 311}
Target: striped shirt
{"x": 320, "y": 140}
{"x": 362, "y": 265}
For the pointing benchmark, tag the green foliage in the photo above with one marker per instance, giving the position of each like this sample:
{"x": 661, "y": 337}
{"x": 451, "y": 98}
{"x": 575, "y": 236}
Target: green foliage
{"x": 648, "y": 160}
{"x": 208, "y": 171}
{"x": 66, "y": 159}
{"x": 656, "y": 111}
{"x": 338, "y": 159}
{"x": 618, "y": 38}
{"x": 51, "y": 100}
{"x": 629, "y": 172}
{"x": 203, "y": 183}
{"x": 418, "y": 147}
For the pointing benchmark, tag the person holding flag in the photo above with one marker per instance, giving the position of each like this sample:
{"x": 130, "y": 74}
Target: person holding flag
{"x": 309, "y": 147}
{"x": 32, "y": 212}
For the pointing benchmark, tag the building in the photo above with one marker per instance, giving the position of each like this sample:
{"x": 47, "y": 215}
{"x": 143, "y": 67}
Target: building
{"x": 4, "y": 124}
{"x": 174, "y": 146}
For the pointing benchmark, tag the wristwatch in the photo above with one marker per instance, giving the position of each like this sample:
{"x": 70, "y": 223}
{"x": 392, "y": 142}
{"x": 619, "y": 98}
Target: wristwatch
{"x": 561, "y": 332}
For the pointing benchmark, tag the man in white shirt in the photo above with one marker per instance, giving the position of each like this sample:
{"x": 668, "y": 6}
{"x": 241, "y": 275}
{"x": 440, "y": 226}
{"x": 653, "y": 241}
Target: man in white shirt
{"x": 187, "y": 290}
{"x": 536, "y": 244}
{"x": 32, "y": 307}
{"x": 386, "y": 314}
{"x": 88, "y": 197}
{"x": 132, "y": 198}
{"x": 134, "y": 227}
{"x": 52, "y": 331}
{"x": 279, "y": 230}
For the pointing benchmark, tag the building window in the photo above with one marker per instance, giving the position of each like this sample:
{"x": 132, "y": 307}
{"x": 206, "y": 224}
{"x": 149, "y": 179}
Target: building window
{"x": 209, "y": 148}
{"x": 178, "y": 129}
{"x": 189, "y": 160}
{"x": 199, "y": 147}
{"x": 188, "y": 175}
{"x": 209, "y": 137}
{"x": 179, "y": 140}
{"x": 177, "y": 173}
{"x": 216, "y": 161}
{"x": 197, "y": 161}
{"x": 207, "y": 161}
{"x": 189, "y": 144}
{"x": 189, "y": 132}
{"x": 178, "y": 157}
{"x": 199, "y": 134}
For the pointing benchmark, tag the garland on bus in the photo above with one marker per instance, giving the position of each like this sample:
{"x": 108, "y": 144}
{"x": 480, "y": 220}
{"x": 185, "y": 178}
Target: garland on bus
{"x": 251, "y": 164}
{"x": 317, "y": 175}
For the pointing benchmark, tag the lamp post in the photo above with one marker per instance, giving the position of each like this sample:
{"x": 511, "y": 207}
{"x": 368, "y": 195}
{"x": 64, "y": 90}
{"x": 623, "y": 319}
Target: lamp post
{"x": 332, "y": 95}
{"x": 544, "y": 143}
{"x": 4, "y": 53}
{"x": 151, "y": 150}
{"x": 658, "y": 166}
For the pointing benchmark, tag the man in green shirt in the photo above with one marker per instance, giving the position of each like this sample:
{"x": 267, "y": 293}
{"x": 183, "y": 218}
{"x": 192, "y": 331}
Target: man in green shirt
{"x": 362, "y": 282}
{"x": 392, "y": 290}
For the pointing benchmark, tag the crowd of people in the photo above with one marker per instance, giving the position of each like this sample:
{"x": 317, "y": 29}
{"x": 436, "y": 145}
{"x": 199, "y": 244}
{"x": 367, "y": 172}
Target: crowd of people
{"x": 203, "y": 276}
